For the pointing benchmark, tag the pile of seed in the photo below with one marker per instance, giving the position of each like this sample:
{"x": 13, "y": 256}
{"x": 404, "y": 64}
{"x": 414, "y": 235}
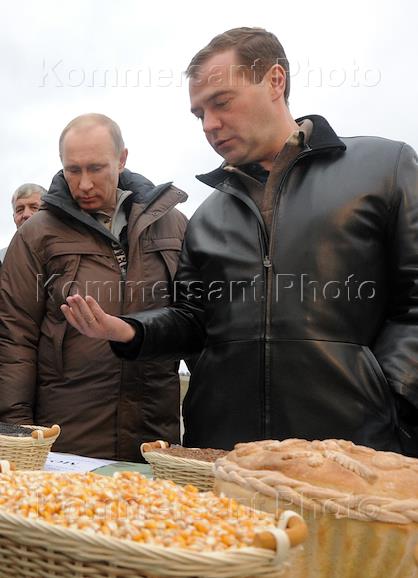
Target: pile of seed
{"x": 10, "y": 429}
{"x": 131, "y": 507}
{"x": 201, "y": 454}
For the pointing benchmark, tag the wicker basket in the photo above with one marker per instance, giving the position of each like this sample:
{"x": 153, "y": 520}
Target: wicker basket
{"x": 180, "y": 470}
{"x": 30, "y": 548}
{"x": 29, "y": 453}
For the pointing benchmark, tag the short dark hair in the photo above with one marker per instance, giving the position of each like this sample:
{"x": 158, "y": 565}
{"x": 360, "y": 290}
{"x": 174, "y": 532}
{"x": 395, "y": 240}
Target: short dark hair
{"x": 257, "y": 49}
{"x": 95, "y": 119}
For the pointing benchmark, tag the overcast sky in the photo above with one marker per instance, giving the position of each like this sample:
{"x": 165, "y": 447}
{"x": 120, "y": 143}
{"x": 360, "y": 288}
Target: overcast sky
{"x": 353, "y": 62}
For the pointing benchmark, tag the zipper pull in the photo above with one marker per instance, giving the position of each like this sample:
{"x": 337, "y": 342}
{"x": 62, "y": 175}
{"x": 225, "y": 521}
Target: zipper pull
{"x": 267, "y": 262}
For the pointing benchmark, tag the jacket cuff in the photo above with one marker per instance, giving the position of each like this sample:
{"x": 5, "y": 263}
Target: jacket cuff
{"x": 132, "y": 349}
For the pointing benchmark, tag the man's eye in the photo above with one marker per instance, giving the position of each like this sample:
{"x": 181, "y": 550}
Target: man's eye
{"x": 72, "y": 170}
{"x": 222, "y": 103}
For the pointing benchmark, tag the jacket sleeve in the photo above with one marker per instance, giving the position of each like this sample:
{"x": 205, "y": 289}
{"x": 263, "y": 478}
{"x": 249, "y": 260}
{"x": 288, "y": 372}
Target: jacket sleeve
{"x": 175, "y": 332}
{"x": 22, "y": 305}
{"x": 396, "y": 347}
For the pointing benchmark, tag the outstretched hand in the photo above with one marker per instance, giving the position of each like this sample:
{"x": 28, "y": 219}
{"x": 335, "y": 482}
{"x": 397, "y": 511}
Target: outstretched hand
{"x": 88, "y": 318}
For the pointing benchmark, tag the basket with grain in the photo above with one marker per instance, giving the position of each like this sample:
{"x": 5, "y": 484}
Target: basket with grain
{"x": 182, "y": 465}
{"x": 26, "y": 446}
{"x": 125, "y": 526}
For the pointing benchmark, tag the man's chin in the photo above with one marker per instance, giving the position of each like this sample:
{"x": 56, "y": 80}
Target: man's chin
{"x": 231, "y": 158}
{"x": 235, "y": 157}
{"x": 89, "y": 207}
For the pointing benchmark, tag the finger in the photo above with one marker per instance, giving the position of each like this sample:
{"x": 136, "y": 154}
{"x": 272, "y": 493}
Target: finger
{"x": 80, "y": 309}
{"x": 70, "y": 317}
{"x": 95, "y": 309}
{"x": 81, "y": 314}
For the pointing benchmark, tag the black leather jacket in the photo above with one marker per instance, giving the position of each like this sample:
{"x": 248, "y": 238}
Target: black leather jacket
{"x": 311, "y": 334}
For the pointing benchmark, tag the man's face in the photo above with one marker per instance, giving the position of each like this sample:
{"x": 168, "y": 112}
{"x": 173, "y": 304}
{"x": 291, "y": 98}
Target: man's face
{"x": 25, "y": 207}
{"x": 92, "y": 167}
{"x": 239, "y": 117}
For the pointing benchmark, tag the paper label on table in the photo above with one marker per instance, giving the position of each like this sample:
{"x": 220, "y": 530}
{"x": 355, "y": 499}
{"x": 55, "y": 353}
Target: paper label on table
{"x": 58, "y": 462}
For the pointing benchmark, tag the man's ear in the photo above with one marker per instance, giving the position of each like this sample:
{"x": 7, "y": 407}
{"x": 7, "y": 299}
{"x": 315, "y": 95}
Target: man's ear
{"x": 122, "y": 159}
{"x": 276, "y": 77}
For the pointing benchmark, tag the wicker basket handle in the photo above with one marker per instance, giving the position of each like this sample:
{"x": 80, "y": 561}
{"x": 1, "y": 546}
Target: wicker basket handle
{"x": 291, "y": 525}
{"x": 149, "y": 446}
{"x": 50, "y": 432}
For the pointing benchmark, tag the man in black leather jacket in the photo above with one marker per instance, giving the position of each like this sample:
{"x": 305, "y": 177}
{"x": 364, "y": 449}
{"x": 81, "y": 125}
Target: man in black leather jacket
{"x": 298, "y": 279}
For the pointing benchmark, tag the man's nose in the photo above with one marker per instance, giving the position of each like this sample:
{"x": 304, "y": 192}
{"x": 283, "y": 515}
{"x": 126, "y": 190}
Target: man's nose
{"x": 27, "y": 213}
{"x": 85, "y": 182}
{"x": 210, "y": 122}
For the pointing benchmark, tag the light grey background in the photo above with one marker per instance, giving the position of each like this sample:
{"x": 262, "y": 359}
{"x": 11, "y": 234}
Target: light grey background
{"x": 354, "y": 62}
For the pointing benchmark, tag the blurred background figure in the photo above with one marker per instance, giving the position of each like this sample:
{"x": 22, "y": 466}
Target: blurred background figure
{"x": 26, "y": 201}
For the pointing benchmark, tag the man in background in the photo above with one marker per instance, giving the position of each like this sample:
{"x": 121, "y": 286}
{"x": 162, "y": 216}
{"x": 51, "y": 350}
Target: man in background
{"x": 26, "y": 201}
{"x": 104, "y": 231}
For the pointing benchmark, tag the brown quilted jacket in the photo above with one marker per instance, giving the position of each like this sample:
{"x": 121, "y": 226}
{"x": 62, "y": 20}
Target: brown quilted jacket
{"x": 49, "y": 373}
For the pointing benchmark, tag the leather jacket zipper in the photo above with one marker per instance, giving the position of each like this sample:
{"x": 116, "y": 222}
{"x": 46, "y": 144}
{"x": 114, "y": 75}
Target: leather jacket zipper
{"x": 267, "y": 348}
{"x": 266, "y": 246}
{"x": 268, "y": 264}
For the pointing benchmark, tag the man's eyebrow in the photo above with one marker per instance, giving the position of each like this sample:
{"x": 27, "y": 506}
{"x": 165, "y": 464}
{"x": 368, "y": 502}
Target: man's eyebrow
{"x": 220, "y": 92}
{"x": 89, "y": 166}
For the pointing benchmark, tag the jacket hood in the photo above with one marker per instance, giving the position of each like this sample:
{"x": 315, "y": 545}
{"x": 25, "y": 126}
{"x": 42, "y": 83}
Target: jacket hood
{"x": 144, "y": 192}
{"x": 322, "y": 138}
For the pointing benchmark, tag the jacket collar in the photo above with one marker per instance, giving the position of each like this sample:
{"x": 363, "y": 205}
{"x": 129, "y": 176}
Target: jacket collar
{"x": 144, "y": 192}
{"x": 323, "y": 138}
{"x": 59, "y": 194}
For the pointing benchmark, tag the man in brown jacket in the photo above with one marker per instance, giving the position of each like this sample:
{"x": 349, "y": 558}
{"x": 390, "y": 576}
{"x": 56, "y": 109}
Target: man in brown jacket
{"x": 106, "y": 232}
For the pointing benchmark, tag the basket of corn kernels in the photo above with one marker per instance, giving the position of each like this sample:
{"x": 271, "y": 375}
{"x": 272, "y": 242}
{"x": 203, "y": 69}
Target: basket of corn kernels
{"x": 126, "y": 526}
